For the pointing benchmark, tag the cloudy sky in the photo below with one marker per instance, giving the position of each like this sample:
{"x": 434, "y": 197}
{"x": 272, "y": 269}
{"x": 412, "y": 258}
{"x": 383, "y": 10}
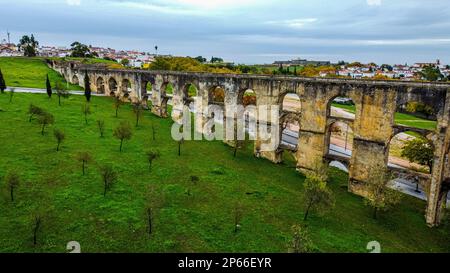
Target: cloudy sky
{"x": 244, "y": 31}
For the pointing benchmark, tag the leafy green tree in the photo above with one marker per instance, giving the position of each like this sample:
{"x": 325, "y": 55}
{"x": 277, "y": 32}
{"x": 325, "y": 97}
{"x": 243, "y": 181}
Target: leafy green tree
{"x": 300, "y": 242}
{"x": 123, "y": 132}
{"x": 87, "y": 88}
{"x": 2, "y": 83}
{"x": 431, "y": 73}
{"x": 125, "y": 62}
{"x": 49, "y": 87}
{"x": 59, "y": 136}
{"x": 61, "y": 91}
{"x": 80, "y": 50}
{"x": 28, "y": 44}
{"x": 45, "y": 119}
{"x": 34, "y": 111}
{"x": 317, "y": 195}
{"x": 216, "y": 60}
{"x": 379, "y": 194}
{"x": 420, "y": 151}
{"x": 85, "y": 158}
{"x": 12, "y": 181}
{"x": 152, "y": 155}
{"x": 109, "y": 177}
{"x": 200, "y": 59}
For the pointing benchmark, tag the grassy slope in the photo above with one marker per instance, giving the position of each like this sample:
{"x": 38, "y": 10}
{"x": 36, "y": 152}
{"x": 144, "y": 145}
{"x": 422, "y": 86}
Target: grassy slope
{"x": 400, "y": 118}
{"x": 29, "y": 72}
{"x": 75, "y": 209}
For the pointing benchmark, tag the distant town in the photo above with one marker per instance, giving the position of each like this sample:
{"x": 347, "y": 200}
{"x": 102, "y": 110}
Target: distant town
{"x": 355, "y": 70}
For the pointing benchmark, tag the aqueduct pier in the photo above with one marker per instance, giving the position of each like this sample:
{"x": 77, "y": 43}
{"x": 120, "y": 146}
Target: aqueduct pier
{"x": 373, "y": 127}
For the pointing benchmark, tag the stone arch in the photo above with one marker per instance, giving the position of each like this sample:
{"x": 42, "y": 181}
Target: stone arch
{"x": 290, "y": 102}
{"x": 190, "y": 91}
{"x": 398, "y": 140}
{"x": 339, "y": 140}
{"x": 100, "y": 84}
{"x": 339, "y": 164}
{"x": 75, "y": 80}
{"x": 126, "y": 87}
{"x": 113, "y": 86}
{"x": 165, "y": 88}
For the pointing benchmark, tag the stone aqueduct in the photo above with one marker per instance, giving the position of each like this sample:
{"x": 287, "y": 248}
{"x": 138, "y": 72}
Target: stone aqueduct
{"x": 374, "y": 127}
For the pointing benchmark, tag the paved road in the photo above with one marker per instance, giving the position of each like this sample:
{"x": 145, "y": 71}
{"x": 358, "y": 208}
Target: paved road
{"x": 44, "y": 91}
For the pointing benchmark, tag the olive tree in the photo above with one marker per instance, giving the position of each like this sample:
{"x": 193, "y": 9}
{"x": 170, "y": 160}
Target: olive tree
{"x": 380, "y": 195}
{"x": 45, "y": 119}
{"x": 85, "y": 158}
{"x": 316, "y": 192}
{"x": 123, "y": 132}
{"x": 109, "y": 177}
{"x": 151, "y": 156}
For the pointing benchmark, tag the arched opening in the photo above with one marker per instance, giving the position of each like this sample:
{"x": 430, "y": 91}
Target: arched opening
{"x": 291, "y": 103}
{"x": 75, "y": 80}
{"x": 126, "y": 87}
{"x": 290, "y": 121}
{"x": 217, "y": 96}
{"x": 416, "y": 115}
{"x": 100, "y": 85}
{"x": 189, "y": 93}
{"x": 410, "y": 160}
{"x": 339, "y": 165}
{"x": 112, "y": 84}
{"x": 411, "y": 151}
{"x": 340, "y": 140}
{"x": 342, "y": 107}
{"x": 249, "y": 98}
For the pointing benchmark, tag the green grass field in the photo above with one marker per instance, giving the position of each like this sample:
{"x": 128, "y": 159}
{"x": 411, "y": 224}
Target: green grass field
{"x": 74, "y": 209}
{"x": 400, "y": 118}
{"x": 29, "y": 72}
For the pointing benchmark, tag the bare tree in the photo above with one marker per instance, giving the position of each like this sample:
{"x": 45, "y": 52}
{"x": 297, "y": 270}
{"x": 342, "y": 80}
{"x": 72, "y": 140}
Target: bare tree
{"x": 138, "y": 111}
{"x": 154, "y": 200}
{"x": 60, "y": 136}
{"x": 13, "y": 181}
{"x": 117, "y": 103}
{"x": 61, "y": 91}
{"x": 151, "y": 156}
{"x": 84, "y": 158}
{"x": 37, "y": 220}
{"x": 109, "y": 177}
{"x": 123, "y": 132}
{"x": 34, "y": 111}
{"x": 101, "y": 127}
{"x": 45, "y": 119}
{"x": 86, "y": 111}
